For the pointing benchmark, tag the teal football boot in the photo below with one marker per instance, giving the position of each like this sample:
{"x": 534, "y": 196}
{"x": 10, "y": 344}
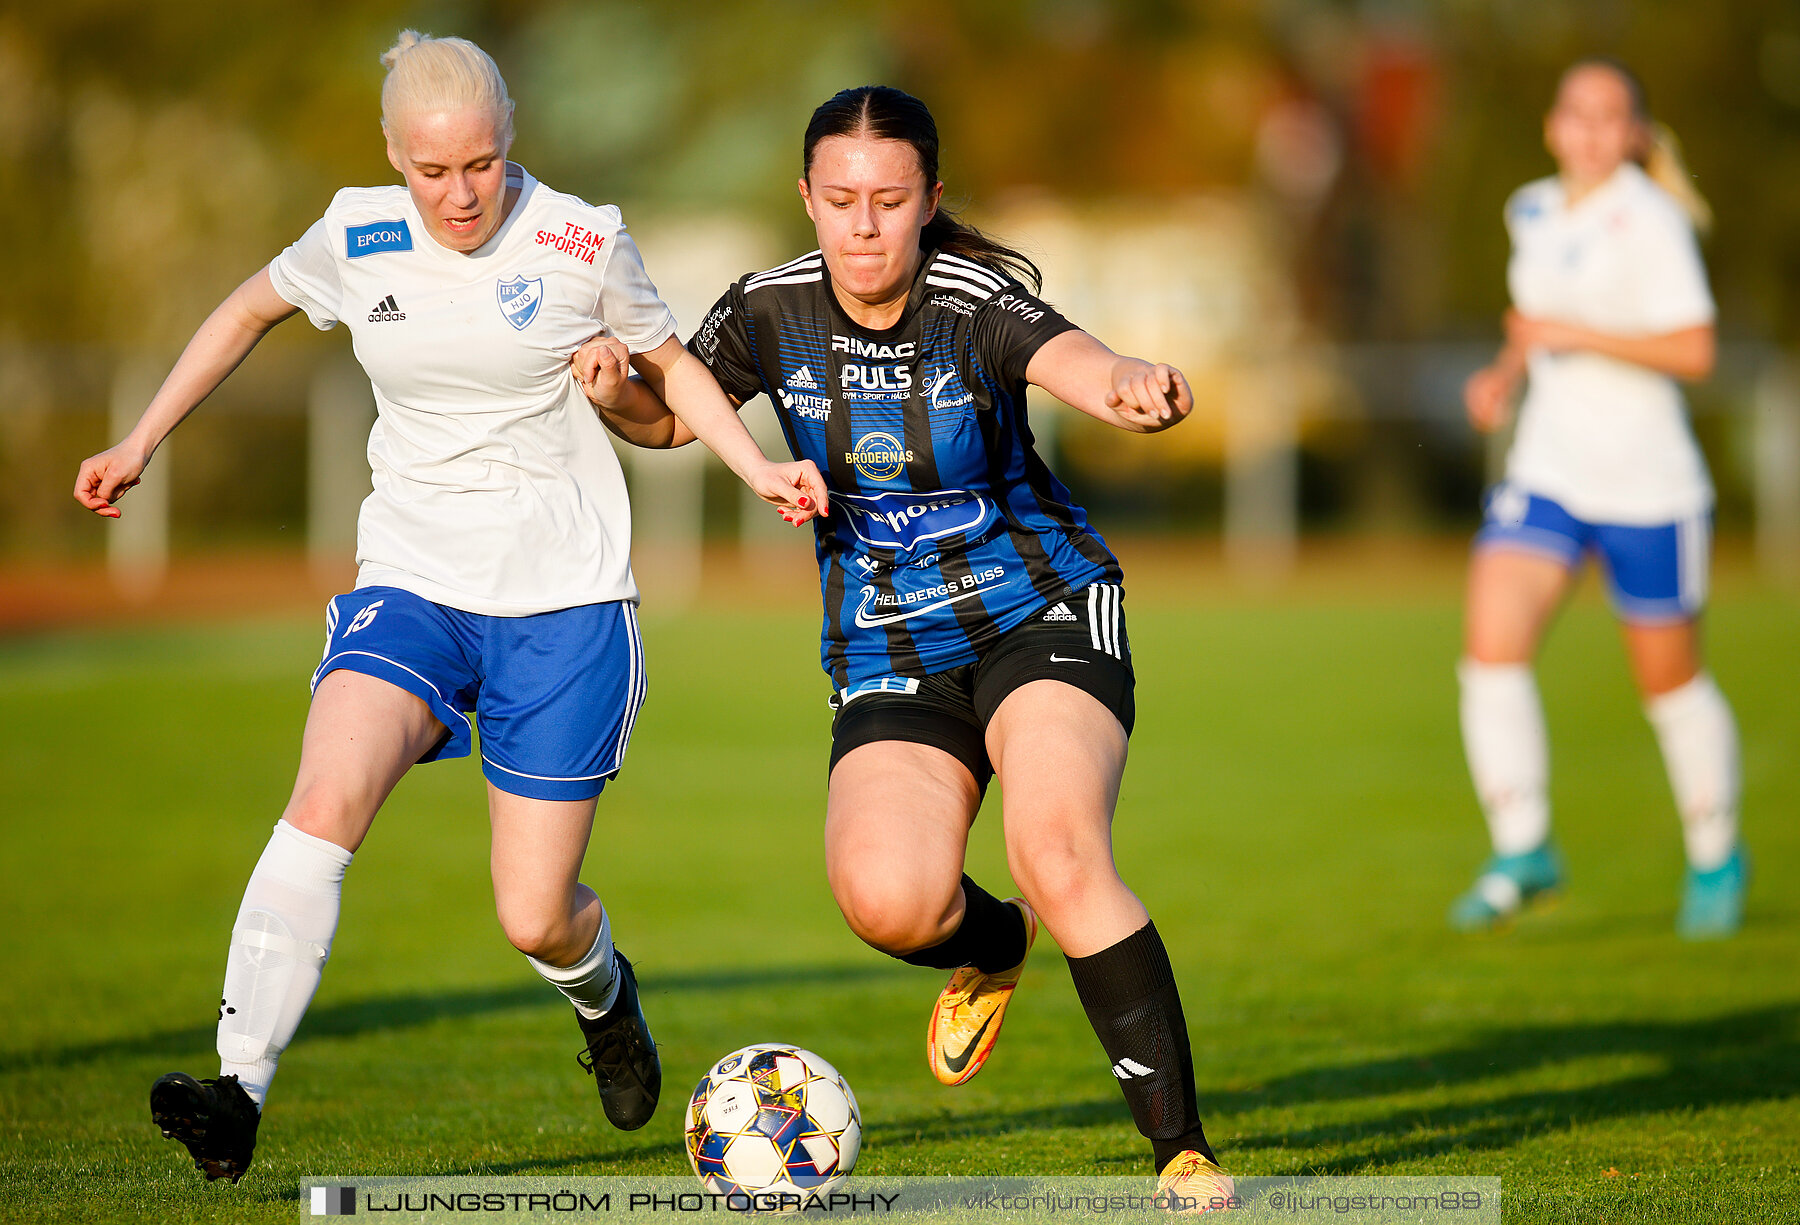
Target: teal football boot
{"x": 1712, "y": 903}
{"x": 1508, "y": 885}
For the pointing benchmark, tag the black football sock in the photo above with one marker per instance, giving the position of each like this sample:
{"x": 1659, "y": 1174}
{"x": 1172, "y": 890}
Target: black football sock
{"x": 1129, "y": 993}
{"x": 991, "y": 937}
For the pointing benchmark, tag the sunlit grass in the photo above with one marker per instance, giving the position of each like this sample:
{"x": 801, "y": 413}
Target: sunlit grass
{"x": 1296, "y": 815}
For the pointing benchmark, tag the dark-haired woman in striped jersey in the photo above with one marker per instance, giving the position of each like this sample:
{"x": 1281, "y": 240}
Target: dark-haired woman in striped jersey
{"x": 973, "y": 618}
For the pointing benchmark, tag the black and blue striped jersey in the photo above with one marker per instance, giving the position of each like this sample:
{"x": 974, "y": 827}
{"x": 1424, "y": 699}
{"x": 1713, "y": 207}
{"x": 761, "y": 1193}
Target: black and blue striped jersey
{"x": 946, "y": 528}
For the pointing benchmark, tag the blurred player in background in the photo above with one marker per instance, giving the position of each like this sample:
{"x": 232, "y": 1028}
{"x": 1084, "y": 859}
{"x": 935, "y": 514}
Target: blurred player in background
{"x": 974, "y": 621}
{"x": 495, "y": 570}
{"x": 1610, "y": 308}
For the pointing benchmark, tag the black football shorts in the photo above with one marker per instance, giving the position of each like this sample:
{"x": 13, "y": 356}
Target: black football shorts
{"x": 1080, "y": 641}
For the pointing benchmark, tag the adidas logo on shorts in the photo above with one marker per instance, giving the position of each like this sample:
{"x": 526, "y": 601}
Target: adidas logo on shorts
{"x": 1060, "y": 613}
{"x": 386, "y": 311}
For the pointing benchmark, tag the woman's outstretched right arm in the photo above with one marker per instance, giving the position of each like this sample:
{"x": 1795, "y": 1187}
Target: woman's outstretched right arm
{"x": 223, "y": 341}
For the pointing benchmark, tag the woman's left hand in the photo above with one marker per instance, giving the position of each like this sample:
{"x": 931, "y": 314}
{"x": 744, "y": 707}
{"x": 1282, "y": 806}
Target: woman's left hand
{"x": 1529, "y": 332}
{"x": 602, "y": 368}
{"x": 1147, "y": 397}
{"x": 795, "y": 489}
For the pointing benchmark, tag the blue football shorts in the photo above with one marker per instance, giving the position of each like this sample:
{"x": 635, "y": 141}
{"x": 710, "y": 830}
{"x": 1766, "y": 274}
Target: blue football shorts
{"x": 1654, "y": 574}
{"x": 554, "y": 696}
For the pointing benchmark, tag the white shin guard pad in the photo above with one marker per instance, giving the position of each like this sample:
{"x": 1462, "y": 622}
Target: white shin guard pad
{"x": 591, "y": 984}
{"x": 1699, "y": 740}
{"x": 1508, "y": 752}
{"x": 279, "y": 946}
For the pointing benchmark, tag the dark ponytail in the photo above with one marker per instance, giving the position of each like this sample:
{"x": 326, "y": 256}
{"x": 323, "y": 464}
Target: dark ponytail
{"x": 885, "y": 113}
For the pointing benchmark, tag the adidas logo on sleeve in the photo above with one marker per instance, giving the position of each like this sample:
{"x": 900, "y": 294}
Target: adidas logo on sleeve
{"x": 387, "y": 311}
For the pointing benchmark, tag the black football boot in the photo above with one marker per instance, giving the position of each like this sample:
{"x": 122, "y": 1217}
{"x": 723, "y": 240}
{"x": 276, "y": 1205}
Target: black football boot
{"x": 215, "y": 1119}
{"x": 621, "y": 1055}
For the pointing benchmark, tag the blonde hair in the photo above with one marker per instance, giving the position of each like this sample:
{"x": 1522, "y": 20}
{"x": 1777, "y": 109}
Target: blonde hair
{"x": 1660, "y": 157}
{"x": 426, "y": 74}
{"x": 1662, "y": 161}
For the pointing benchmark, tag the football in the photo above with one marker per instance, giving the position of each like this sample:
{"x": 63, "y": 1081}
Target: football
{"x": 773, "y": 1123}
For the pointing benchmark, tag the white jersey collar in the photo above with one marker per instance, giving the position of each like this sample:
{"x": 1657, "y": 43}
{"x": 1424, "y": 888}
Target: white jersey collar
{"x": 1620, "y": 181}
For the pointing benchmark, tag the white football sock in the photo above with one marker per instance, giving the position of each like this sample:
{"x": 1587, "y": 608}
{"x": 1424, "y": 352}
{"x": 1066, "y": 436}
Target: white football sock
{"x": 279, "y": 945}
{"x": 1508, "y": 752}
{"x": 590, "y": 983}
{"x": 1699, "y": 740}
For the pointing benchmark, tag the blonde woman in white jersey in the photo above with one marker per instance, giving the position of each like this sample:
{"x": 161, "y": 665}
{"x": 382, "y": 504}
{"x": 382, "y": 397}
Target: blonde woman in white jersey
{"x": 495, "y": 572}
{"x": 1610, "y": 309}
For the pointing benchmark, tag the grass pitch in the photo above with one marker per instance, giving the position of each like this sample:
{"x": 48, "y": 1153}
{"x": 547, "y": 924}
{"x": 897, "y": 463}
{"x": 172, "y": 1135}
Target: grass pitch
{"x": 1296, "y": 815}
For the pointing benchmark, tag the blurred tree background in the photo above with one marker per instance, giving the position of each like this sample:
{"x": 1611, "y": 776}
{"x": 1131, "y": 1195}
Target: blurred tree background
{"x": 1350, "y": 159}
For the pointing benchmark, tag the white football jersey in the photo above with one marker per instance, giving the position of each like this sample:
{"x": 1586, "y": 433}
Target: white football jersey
{"x": 496, "y": 489}
{"x": 1607, "y": 439}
